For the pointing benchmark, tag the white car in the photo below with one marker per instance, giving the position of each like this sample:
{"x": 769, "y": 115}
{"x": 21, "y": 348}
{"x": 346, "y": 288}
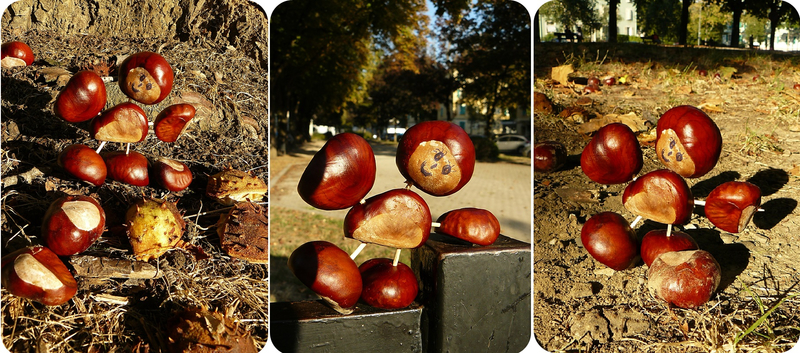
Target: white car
{"x": 511, "y": 143}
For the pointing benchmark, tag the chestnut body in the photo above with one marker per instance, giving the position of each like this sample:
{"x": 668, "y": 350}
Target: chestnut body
{"x": 38, "y": 274}
{"x": 548, "y": 156}
{"x": 146, "y": 77}
{"x": 436, "y": 156}
{"x": 475, "y": 225}
{"x": 83, "y": 163}
{"x": 731, "y": 205}
{"x": 340, "y": 174}
{"x": 608, "y": 237}
{"x": 688, "y": 142}
{"x": 124, "y": 122}
{"x": 662, "y": 196}
{"x": 397, "y": 218}
{"x": 17, "y": 50}
{"x": 386, "y": 286}
{"x": 613, "y": 156}
{"x": 686, "y": 279}
{"x": 72, "y": 224}
{"x": 329, "y": 272}
{"x": 171, "y": 174}
{"x": 656, "y": 242}
{"x": 130, "y": 168}
{"x": 82, "y": 98}
{"x": 170, "y": 122}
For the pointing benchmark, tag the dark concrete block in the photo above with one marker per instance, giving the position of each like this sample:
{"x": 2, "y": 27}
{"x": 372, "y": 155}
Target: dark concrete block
{"x": 312, "y": 326}
{"x": 477, "y": 299}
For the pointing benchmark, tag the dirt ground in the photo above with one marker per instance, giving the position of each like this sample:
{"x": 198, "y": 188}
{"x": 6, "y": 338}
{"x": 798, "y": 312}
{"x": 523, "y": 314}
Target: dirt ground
{"x": 228, "y": 85}
{"x": 580, "y": 304}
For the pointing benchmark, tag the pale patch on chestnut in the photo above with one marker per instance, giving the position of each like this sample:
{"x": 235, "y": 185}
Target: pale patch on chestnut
{"x": 30, "y": 270}
{"x": 644, "y": 203}
{"x": 141, "y": 86}
{"x": 83, "y": 214}
{"x": 10, "y": 61}
{"x": 673, "y": 154}
{"x": 388, "y": 230}
{"x": 178, "y": 166}
{"x": 434, "y": 168}
{"x": 125, "y": 128}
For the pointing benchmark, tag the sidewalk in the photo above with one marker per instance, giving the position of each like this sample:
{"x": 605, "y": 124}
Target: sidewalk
{"x": 502, "y": 188}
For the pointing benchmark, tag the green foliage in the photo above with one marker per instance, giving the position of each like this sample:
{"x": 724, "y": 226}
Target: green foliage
{"x": 573, "y": 13}
{"x": 651, "y": 15}
{"x": 485, "y": 149}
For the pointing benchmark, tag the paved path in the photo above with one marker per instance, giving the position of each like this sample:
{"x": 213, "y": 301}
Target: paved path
{"x": 502, "y": 188}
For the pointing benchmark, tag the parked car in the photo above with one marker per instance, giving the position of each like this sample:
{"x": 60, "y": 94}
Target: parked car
{"x": 511, "y": 143}
{"x": 526, "y": 150}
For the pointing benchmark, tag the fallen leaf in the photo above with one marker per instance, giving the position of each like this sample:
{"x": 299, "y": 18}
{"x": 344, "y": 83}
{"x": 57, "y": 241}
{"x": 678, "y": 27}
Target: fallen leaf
{"x": 687, "y": 89}
{"x": 561, "y": 73}
{"x": 631, "y": 119}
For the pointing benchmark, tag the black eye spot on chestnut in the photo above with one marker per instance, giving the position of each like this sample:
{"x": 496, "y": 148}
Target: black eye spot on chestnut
{"x": 438, "y": 156}
{"x": 671, "y": 143}
{"x": 149, "y": 85}
{"x": 142, "y": 77}
{"x": 446, "y": 169}
{"x": 679, "y": 156}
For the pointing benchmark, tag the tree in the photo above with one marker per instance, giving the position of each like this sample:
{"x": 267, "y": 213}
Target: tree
{"x": 651, "y": 15}
{"x": 712, "y": 24}
{"x": 737, "y": 7}
{"x": 683, "y": 29}
{"x": 777, "y": 12}
{"x": 573, "y": 13}
{"x": 612, "y": 20}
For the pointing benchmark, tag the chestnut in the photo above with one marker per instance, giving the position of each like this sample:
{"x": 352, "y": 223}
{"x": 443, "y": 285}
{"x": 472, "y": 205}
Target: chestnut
{"x": 613, "y": 156}
{"x": 610, "y": 81}
{"x": 82, "y": 98}
{"x": 702, "y": 72}
{"x": 608, "y": 237}
{"x": 170, "y": 122}
{"x": 686, "y": 279}
{"x": 340, "y": 174}
{"x": 129, "y": 168}
{"x": 72, "y": 224}
{"x": 83, "y": 163}
{"x": 688, "y": 141}
{"x": 125, "y": 122}
{"x": 591, "y": 89}
{"x": 171, "y": 174}
{"x": 329, "y": 272}
{"x": 36, "y": 273}
{"x": 593, "y": 81}
{"x": 548, "y": 156}
{"x": 16, "y": 50}
{"x": 397, "y": 218}
{"x": 146, "y": 77}
{"x": 656, "y": 242}
{"x": 436, "y": 156}
{"x": 796, "y": 87}
{"x": 386, "y": 286}
{"x": 154, "y": 226}
{"x": 731, "y": 205}
{"x": 475, "y": 225}
{"x": 661, "y": 195}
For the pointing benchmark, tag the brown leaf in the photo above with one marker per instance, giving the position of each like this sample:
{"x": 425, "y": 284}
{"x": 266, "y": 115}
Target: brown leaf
{"x": 561, "y": 73}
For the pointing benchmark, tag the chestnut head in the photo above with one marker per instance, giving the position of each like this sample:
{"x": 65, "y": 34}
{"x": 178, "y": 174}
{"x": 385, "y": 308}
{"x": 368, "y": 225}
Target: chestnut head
{"x": 688, "y": 142}
{"x": 146, "y": 77}
{"x": 613, "y": 156}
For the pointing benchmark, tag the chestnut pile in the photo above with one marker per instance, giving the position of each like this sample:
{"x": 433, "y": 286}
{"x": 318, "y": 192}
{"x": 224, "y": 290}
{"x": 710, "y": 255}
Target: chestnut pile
{"x": 438, "y": 158}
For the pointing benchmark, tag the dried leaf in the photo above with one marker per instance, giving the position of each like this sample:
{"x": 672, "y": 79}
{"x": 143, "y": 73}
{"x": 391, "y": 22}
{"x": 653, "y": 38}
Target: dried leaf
{"x": 686, "y": 89}
{"x": 561, "y": 73}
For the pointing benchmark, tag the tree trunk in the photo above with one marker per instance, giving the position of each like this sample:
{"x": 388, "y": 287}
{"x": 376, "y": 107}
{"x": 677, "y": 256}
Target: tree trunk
{"x": 535, "y": 24}
{"x": 738, "y": 7}
{"x": 612, "y": 20}
{"x": 683, "y": 30}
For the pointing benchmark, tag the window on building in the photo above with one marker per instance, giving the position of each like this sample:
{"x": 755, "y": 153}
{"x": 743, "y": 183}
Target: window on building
{"x": 628, "y": 31}
{"x": 462, "y": 110}
{"x": 630, "y": 15}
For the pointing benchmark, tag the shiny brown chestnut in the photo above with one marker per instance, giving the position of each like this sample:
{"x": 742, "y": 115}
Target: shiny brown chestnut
{"x": 171, "y": 174}
{"x": 702, "y": 72}
{"x": 796, "y": 87}
{"x": 591, "y": 89}
{"x": 661, "y": 195}
{"x": 656, "y": 242}
{"x": 82, "y": 98}
{"x": 36, "y": 273}
{"x": 329, "y": 272}
{"x": 731, "y": 205}
{"x": 608, "y": 237}
{"x": 548, "y": 156}
{"x": 593, "y": 81}
{"x": 340, "y": 174}
{"x": 17, "y": 50}
{"x": 146, "y": 77}
{"x": 170, "y": 122}
{"x": 688, "y": 141}
{"x": 436, "y": 156}
{"x": 83, "y": 163}
{"x": 475, "y": 225}
{"x": 386, "y": 286}
{"x": 613, "y": 156}
{"x": 72, "y": 224}
{"x": 686, "y": 279}
{"x": 125, "y": 122}
{"x": 129, "y": 168}
{"x": 610, "y": 81}
{"x": 397, "y": 218}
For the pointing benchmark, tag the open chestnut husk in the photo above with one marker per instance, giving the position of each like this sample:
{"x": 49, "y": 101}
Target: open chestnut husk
{"x": 36, "y": 273}
{"x": 125, "y": 122}
{"x": 153, "y": 226}
{"x": 438, "y": 157}
{"x": 397, "y": 218}
{"x": 340, "y": 174}
{"x": 731, "y": 205}
{"x": 475, "y": 225}
{"x": 662, "y": 196}
{"x": 687, "y": 141}
{"x": 656, "y": 242}
{"x": 146, "y": 77}
{"x": 613, "y": 156}
{"x": 72, "y": 224}
{"x": 82, "y": 98}
{"x": 329, "y": 272}
{"x": 608, "y": 237}
{"x": 84, "y": 163}
{"x": 686, "y": 279}
{"x": 386, "y": 286}
{"x": 548, "y": 156}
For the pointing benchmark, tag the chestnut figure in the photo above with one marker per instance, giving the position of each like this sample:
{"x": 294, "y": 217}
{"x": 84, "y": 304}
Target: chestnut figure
{"x": 661, "y": 195}
{"x": 608, "y": 237}
{"x": 340, "y": 174}
{"x": 83, "y": 163}
{"x": 82, "y": 98}
{"x": 386, "y": 286}
{"x": 613, "y": 156}
{"x": 170, "y": 122}
{"x": 17, "y": 50}
{"x": 329, "y": 272}
{"x": 125, "y": 122}
{"x": 397, "y": 218}
{"x": 436, "y": 156}
{"x": 36, "y": 273}
{"x": 171, "y": 174}
{"x": 129, "y": 168}
{"x": 686, "y": 279}
{"x": 656, "y": 242}
{"x": 548, "y": 156}
{"x": 475, "y": 225}
{"x": 731, "y": 205}
{"x": 146, "y": 77}
{"x": 72, "y": 224}
{"x": 688, "y": 141}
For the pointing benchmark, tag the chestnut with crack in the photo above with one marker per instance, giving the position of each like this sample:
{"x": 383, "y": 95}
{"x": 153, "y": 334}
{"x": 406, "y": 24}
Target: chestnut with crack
{"x": 686, "y": 279}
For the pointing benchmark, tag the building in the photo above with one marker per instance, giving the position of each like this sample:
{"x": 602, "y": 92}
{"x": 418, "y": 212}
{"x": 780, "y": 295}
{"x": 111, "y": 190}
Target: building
{"x": 626, "y": 22}
{"x": 471, "y": 119}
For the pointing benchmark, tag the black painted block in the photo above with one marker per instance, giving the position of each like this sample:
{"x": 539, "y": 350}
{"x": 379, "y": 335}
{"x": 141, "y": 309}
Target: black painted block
{"x": 477, "y": 299}
{"x": 312, "y": 326}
